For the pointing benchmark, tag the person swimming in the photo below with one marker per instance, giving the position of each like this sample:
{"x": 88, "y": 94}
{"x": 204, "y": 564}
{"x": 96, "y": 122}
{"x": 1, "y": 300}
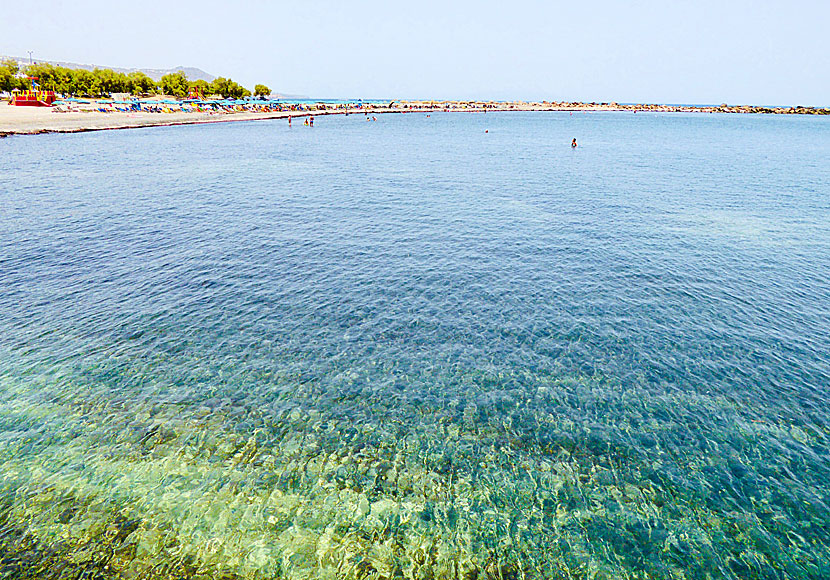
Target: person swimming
{"x": 573, "y": 143}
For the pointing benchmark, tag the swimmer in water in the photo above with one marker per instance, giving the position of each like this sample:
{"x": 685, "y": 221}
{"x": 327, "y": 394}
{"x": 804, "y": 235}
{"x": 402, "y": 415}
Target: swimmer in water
{"x": 289, "y": 120}
{"x": 311, "y": 122}
{"x": 573, "y": 143}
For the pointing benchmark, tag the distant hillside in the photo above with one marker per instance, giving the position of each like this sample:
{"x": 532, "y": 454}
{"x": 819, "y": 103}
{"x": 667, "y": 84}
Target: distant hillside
{"x": 192, "y": 73}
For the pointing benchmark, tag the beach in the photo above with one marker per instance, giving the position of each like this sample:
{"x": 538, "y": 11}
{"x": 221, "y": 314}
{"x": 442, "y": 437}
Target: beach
{"x": 34, "y": 120}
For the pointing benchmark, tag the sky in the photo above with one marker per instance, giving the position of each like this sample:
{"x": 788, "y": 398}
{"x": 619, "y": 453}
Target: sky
{"x": 703, "y": 52}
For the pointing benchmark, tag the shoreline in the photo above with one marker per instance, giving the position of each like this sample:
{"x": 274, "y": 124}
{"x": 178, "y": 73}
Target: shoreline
{"x": 85, "y": 122}
{"x": 41, "y": 120}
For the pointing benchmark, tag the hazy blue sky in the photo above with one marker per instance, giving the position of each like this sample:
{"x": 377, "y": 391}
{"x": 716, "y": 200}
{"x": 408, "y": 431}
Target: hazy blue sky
{"x": 691, "y": 52}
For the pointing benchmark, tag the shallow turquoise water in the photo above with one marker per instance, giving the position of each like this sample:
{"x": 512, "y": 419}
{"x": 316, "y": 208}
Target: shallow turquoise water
{"x": 410, "y": 349}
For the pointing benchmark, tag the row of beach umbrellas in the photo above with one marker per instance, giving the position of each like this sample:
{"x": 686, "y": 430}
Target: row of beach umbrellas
{"x": 202, "y": 102}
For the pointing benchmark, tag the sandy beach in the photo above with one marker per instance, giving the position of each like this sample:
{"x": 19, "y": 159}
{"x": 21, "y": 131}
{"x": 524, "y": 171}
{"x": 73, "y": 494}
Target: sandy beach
{"x": 35, "y": 120}
{"x": 32, "y": 120}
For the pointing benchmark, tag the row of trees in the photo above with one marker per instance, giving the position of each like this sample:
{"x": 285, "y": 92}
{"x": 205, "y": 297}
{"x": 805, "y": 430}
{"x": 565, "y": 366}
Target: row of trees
{"x": 102, "y": 82}
{"x": 9, "y": 80}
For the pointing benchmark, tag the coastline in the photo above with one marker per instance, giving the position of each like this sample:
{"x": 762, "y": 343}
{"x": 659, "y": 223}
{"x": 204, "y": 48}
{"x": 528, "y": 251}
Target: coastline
{"x": 37, "y": 120}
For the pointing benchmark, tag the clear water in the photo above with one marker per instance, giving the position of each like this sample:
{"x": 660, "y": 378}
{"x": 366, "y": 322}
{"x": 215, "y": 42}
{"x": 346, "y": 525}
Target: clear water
{"x": 412, "y": 349}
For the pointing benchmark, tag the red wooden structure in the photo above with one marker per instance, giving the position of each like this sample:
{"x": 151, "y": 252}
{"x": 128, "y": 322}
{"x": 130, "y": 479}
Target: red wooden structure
{"x": 34, "y": 97}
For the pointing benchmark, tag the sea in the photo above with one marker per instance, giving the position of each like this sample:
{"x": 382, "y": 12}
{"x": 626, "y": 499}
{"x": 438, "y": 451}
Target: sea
{"x": 430, "y": 346}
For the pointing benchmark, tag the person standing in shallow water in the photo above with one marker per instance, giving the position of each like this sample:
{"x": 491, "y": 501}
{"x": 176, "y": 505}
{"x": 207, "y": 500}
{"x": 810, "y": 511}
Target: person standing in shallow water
{"x": 573, "y": 143}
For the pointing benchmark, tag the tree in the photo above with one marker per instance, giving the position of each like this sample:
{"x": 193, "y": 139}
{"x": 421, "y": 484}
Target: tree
{"x": 261, "y": 90}
{"x": 200, "y": 86}
{"x": 174, "y": 84}
{"x": 219, "y": 86}
{"x": 110, "y": 81}
{"x": 107, "y": 81}
{"x": 8, "y": 76}
{"x": 50, "y": 77}
{"x": 139, "y": 83}
{"x": 84, "y": 83}
{"x": 228, "y": 88}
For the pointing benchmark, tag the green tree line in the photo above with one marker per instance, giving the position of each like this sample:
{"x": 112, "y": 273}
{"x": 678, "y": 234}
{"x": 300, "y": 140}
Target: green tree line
{"x": 103, "y": 82}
